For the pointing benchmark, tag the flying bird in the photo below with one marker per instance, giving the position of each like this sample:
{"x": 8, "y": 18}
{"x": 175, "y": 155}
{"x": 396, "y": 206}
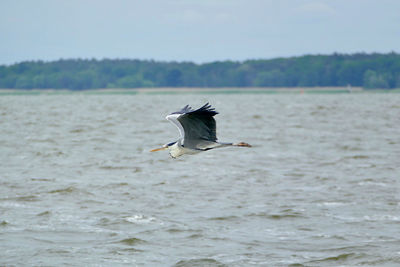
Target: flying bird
{"x": 197, "y": 130}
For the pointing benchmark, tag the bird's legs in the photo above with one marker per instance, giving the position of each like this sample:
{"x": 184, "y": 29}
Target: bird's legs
{"x": 243, "y": 144}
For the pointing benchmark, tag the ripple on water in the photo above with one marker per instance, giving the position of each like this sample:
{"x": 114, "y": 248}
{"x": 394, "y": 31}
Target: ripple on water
{"x": 66, "y": 190}
{"x": 224, "y": 218}
{"x": 81, "y": 129}
{"x": 50, "y": 154}
{"x": 42, "y": 179}
{"x": 41, "y": 140}
{"x": 357, "y": 157}
{"x": 349, "y": 148}
{"x": 69, "y": 190}
{"x": 337, "y": 259}
{"x": 132, "y": 241}
{"x": 44, "y": 214}
{"x": 140, "y": 219}
{"x": 27, "y": 198}
{"x": 128, "y": 251}
{"x": 116, "y": 167}
{"x": 199, "y": 263}
{"x": 115, "y": 185}
{"x": 284, "y": 214}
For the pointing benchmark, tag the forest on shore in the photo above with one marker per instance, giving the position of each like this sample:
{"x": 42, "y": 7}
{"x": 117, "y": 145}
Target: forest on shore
{"x": 371, "y": 71}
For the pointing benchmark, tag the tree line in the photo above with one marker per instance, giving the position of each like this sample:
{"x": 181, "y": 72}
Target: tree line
{"x": 360, "y": 69}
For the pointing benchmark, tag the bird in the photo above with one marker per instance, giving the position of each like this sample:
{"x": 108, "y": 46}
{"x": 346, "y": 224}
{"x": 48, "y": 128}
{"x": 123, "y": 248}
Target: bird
{"x": 197, "y": 130}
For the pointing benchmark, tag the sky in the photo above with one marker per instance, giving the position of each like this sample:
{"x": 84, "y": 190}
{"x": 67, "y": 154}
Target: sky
{"x": 194, "y": 30}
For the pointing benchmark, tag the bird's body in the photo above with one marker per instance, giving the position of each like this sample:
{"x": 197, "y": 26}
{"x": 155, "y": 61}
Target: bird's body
{"x": 197, "y": 129}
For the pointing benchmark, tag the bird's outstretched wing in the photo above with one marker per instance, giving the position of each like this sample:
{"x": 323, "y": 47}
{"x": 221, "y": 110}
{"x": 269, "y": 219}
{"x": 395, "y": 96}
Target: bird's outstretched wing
{"x": 173, "y": 117}
{"x": 197, "y": 127}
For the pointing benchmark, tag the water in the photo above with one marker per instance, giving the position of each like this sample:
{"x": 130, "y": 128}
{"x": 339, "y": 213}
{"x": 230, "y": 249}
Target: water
{"x": 320, "y": 187}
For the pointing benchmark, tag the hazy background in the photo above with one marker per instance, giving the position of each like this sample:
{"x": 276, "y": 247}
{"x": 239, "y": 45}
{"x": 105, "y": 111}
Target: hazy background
{"x": 194, "y": 30}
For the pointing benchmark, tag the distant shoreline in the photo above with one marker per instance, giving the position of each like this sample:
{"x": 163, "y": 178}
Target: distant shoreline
{"x": 187, "y": 90}
{"x": 197, "y": 90}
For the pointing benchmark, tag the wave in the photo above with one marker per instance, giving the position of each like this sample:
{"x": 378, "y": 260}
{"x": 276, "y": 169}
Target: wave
{"x": 199, "y": 263}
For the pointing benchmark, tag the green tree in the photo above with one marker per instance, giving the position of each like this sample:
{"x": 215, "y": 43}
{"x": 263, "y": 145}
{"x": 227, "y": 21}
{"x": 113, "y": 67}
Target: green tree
{"x": 173, "y": 78}
{"x": 368, "y": 70}
{"x": 273, "y": 78}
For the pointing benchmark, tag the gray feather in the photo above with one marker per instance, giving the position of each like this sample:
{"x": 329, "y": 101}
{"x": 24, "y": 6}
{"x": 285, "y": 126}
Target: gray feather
{"x": 199, "y": 126}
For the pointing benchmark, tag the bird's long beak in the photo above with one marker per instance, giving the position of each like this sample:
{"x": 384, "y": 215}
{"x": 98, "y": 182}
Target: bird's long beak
{"x": 158, "y": 149}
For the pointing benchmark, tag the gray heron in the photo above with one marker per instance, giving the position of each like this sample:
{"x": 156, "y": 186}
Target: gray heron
{"x": 198, "y": 131}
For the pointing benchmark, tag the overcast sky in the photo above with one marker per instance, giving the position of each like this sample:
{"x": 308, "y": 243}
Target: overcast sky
{"x": 194, "y": 30}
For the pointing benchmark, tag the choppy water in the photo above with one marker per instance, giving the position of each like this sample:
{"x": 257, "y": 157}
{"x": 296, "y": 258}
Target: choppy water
{"x": 320, "y": 187}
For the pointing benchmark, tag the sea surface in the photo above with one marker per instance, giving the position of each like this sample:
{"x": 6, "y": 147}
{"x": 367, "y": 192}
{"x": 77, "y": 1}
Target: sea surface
{"x": 319, "y": 187}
